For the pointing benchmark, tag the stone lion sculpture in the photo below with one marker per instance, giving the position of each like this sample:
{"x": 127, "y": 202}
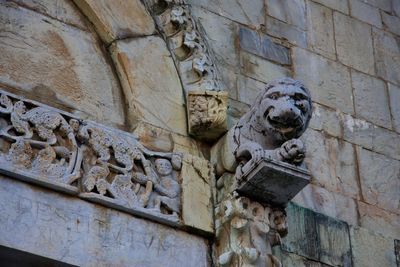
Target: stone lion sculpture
{"x": 269, "y": 130}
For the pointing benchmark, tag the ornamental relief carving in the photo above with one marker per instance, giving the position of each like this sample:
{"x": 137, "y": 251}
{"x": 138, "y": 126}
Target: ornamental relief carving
{"x": 48, "y": 147}
{"x": 198, "y": 73}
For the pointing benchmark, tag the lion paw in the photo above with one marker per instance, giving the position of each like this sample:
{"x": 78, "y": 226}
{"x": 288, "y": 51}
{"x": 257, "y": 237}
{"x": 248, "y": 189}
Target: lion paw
{"x": 292, "y": 151}
{"x": 257, "y": 154}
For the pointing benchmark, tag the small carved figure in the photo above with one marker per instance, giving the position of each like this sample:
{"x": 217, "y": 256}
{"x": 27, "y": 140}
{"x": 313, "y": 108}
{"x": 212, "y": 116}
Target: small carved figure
{"x": 167, "y": 189}
{"x": 270, "y": 128}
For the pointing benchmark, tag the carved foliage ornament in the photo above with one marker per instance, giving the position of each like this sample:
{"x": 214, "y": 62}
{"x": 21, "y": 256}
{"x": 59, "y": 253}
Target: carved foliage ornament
{"x": 207, "y": 105}
{"x": 52, "y": 148}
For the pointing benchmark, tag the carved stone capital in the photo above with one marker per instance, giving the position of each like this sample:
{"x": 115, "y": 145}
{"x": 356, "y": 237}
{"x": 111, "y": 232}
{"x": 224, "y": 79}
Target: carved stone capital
{"x": 246, "y": 232}
{"x": 207, "y": 114}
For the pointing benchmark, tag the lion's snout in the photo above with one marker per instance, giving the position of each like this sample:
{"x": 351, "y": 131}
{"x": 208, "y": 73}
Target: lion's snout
{"x": 285, "y": 115}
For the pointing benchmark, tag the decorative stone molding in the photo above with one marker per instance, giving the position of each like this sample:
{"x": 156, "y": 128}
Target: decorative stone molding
{"x": 46, "y": 146}
{"x": 198, "y": 73}
{"x": 259, "y": 164}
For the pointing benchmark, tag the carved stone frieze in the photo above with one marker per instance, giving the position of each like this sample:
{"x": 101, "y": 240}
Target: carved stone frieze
{"x": 195, "y": 65}
{"x": 49, "y": 147}
{"x": 207, "y": 114}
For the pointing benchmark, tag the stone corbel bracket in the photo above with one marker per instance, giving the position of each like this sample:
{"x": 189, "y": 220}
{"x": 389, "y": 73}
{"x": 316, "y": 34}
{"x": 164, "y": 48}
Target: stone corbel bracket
{"x": 198, "y": 73}
{"x": 55, "y": 149}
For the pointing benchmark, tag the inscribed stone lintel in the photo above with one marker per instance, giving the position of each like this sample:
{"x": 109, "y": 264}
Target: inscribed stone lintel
{"x": 54, "y": 149}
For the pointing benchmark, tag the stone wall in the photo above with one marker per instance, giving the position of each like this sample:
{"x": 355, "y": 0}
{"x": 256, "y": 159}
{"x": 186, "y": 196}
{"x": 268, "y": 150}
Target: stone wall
{"x": 108, "y": 61}
{"x": 347, "y": 53}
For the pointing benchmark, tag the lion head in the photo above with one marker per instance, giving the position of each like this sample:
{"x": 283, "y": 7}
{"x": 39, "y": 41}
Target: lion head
{"x": 283, "y": 109}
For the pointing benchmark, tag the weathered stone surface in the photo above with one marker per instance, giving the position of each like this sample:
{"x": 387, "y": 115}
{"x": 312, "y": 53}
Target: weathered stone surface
{"x": 328, "y": 203}
{"x": 117, "y": 19}
{"x": 221, "y": 34}
{"x": 371, "y": 99}
{"x": 387, "y": 56}
{"x": 339, "y": 5}
{"x": 366, "y": 13}
{"x": 379, "y": 221}
{"x": 150, "y": 80}
{"x": 236, "y": 109}
{"x": 375, "y": 138}
{"x": 291, "y": 33}
{"x": 391, "y": 23}
{"x": 248, "y": 89}
{"x": 272, "y": 182}
{"x": 197, "y": 201}
{"x": 262, "y": 45}
{"x": 248, "y": 12}
{"x": 382, "y": 4}
{"x": 327, "y": 120}
{"x": 354, "y": 43}
{"x": 317, "y": 237}
{"x": 380, "y": 180}
{"x": 292, "y": 11}
{"x": 320, "y": 30}
{"x": 207, "y": 114}
{"x": 332, "y": 163}
{"x": 268, "y": 131}
{"x": 328, "y": 81}
{"x": 396, "y": 7}
{"x": 394, "y": 98}
{"x": 61, "y": 10}
{"x": 370, "y": 249}
{"x": 79, "y": 233}
{"x": 294, "y": 260}
{"x": 261, "y": 69}
{"x": 57, "y": 64}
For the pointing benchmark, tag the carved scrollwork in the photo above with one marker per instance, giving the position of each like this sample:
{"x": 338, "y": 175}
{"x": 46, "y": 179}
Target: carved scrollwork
{"x": 42, "y": 145}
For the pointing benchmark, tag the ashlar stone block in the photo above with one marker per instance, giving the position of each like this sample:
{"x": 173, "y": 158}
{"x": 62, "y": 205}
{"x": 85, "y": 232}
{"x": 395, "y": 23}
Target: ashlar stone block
{"x": 286, "y": 31}
{"x": 320, "y": 30}
{"x": 371, "y": 99}
{"x": 62, "y": 10}
{"x": 261, "y": 69}
{"x": 391, "y": 23}
{"x": 291, "y": 11}
{"x": 332, "y": 163}
{"x": 197, "y": 203}
{"x": 380, "y": 180}
{"x": 371, "y": 249}
{"x": 151, "y": 83}
{"x": 339, "y": 5}
{"x": 354, "y": 43}
{"x": 394, "y": 97}
{"x": 366, "y": 13}
{"x": 387, "y": 56}
{"x": 328, "y": 81}
{"x": 57, "y": 64}
{"x": 117, "y": 19}
{"x": 263, "y": 46}
{"x": 248, "y": 12}
{"x": 317, "y": 237}
{"x": 379, "y": 220}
